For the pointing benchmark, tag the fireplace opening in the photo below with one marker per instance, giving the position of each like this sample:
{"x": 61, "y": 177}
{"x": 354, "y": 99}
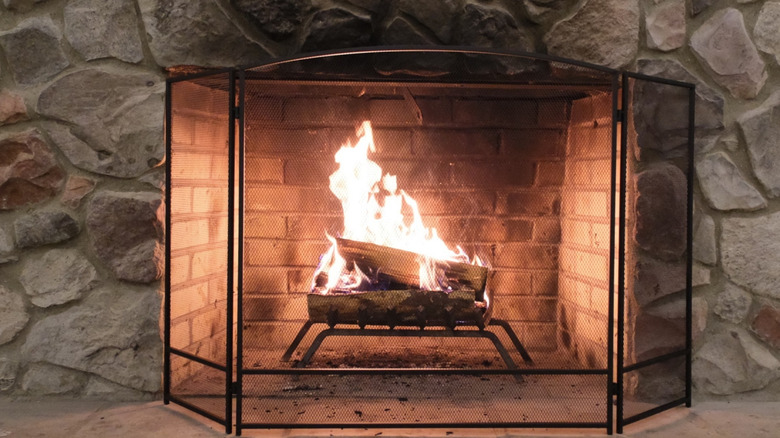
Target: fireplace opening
{"x": 427, "y": 237}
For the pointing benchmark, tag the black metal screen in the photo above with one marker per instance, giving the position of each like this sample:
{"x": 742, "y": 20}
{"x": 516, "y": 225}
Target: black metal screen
{"x": 513, "y": 159}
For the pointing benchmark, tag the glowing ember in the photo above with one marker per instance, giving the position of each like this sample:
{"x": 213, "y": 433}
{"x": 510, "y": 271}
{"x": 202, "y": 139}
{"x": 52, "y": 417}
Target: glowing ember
{"x": 373, "y": 208}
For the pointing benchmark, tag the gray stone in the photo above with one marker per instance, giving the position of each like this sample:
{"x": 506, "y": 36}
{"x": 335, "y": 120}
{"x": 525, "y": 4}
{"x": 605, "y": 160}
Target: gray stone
{"x": 661, "y": 111}
{"x": 401, "y": 32}
{"x": 13, "y": 315}
{"x": 125, "y": 232}
{"x": 733, "y": 362}
{"x": 44, "y": 228}
{"x": 724, "y": 48}
{"x": 747, "y": 247}
{"x": 604, "y": 32}
{"x": 547, "y": 10}
{"x": 701, "y": 275}
{"x": 654, "y": 279}
{"x": 6, "y": 248}
{"x": 336, "y": 28}
{"x": 279, "y": 19}
{"x": 76, "y": 189}
{"x": 436, "y": 16}
{"x": 46, "y": 379}
{"x": 733, "y": 303}
{"x": 661, "y": 198}
{"x": 104, "y": 28}
{"x": 665, "y": 26}
{"x": 155, "y": 178}
{"x": 766, "y": 32}
{"x": 484, "y": 26}
{"x": 118, "y": 338}
{"x": 724, "y": 186}
{"x": 705, "y": 247}
{"x": 38, "y": 36}
{"x": 766, "y": 325}
{"x": 196, "y": 32}
{"x": 761, "y": 130}
{"x": 673, "y": 312}
{"x": 697, "y": 6}
{"x": 29, "y": 172}
{"x": 115, "y": 128}
{"x": 8, "y": 371}
{"x": 12, "y": 108}
{"x": 58, "y": 277}
{"x": 102, "y": 389}
{"x": 21, "y": 5}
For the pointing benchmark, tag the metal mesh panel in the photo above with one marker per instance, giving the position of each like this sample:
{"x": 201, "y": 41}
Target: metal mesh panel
{"x": 487, "y": 164}
{"x": 199, "y": 240}
{"x": 657, "y": 298}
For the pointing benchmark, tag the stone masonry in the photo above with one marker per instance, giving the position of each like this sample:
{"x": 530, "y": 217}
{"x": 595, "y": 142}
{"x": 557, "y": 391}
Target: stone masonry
{"x": 81, "y": 153}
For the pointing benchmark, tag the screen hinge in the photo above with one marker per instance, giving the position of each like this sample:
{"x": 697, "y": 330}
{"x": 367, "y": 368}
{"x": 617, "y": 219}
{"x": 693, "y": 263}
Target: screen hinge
{"x": 621, "y": 115}
{"x": 234, "y": 387}
{"x": 237, "y": 111}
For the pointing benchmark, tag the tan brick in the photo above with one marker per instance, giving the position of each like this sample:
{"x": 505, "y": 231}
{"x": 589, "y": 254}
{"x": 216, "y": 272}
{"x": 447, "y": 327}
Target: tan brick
{"x": 414, "y": 174}
{"x": 218, "y": 229}
{"x": 587, "y": 264}
{"x": 553, "y": 113}
{"x": 547, "y": 230}
{"x": 190, "y": 166}
{"x": 258, "y": 169}
{"x": 450, "y": 142}
{"x": 284, "y": 253}
{"x": 393, "y": 112}
{"x": 190, "y": 233}
{"x": 180, "y": 269}
{"x": 523, "y": 144}
{"x": 576, "y": 232}
{"x": 591, "y": 204}
{"x": 503, "y": 282}
{"x": 180, "y": 335}
{"x": 451, "y": 202}
{"x": 473, "y": 229}
{"x": 544, "y": 283}
{"x": 209, "y": 199}
{"x": 527, "y": 256}
{"x": 521, "y": 308}
{"x": 209, "y": 325}
{"x": 599, "y": 301}
{"x": 181, "y": 200}
{"x": 391, "y": 143}
{"x": 275, "y": 308}
{"x": 299, "y": 280}
{"x": 265, "y": 280}
{"x": 587, "y": 110}
{"x": 493, "y": 174}
{"x": 325, "y": 111}
{"x": 220, "y": 167}
{"x": 182, "y": 129}
{"x": 264, "y": 108}
{"x": 213, "y": 261}
{"x": 291, "y": 199}
{"x": 211, "y": 134}
{"x": 550, "y": 173}
{"x": 535, "y": 204}
{"x": 314, "y": 227}
{"x": 435, "y": 111}
{"x": 314, "y": 142}
{"x": 312, "y": 172}
{"x": 188, "y": 300}
{"x": 590, "y": 142}
{"x": 484, "y": 113}
{"x": 265, "y": 225}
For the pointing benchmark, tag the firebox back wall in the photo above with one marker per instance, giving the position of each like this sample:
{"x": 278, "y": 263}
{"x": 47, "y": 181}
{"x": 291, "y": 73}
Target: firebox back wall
{"x": 486, "y": 171}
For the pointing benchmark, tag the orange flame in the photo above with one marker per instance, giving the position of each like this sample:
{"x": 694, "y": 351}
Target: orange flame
{"x": 359, "y": 185}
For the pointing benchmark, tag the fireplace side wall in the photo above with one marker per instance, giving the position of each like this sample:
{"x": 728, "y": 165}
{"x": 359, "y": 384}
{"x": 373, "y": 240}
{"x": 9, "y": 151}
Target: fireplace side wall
{"x": 585, "y": 233}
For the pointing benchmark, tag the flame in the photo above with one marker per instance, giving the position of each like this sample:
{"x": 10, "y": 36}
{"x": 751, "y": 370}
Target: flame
{"x": 373, "y": 208}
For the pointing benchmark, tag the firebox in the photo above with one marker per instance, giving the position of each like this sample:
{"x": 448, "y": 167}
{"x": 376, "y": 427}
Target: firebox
{"x": 423, "y": 237}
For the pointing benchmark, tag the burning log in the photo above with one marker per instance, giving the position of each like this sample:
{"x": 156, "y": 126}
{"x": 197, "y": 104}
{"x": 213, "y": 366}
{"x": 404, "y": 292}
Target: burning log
{"x": 393, "y": 308}
{"x": 403, "y": 267}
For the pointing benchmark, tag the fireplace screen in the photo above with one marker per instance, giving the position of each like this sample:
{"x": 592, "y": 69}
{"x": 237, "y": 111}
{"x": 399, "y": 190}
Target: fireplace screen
{"x": 428, "y": 237}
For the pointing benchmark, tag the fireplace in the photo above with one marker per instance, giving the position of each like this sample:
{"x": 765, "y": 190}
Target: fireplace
{"x": 427, "y": 237}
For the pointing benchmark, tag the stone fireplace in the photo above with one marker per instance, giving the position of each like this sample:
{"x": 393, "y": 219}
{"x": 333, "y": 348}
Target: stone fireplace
{"x": 82, "y": 174}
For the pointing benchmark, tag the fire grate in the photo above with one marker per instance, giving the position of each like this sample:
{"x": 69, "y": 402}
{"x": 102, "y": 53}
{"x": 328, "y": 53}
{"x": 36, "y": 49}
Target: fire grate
{"x": 354, "y": 238}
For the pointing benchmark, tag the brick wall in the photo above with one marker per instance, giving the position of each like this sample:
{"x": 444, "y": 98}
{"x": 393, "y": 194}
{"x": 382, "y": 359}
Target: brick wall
{"x": 487, "y": 173}
{"x": 585, "y": 232}
{"x": 199, "y": 224}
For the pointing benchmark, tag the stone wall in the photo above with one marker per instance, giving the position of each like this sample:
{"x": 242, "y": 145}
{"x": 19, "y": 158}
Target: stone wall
{"x": 81, "y": 104}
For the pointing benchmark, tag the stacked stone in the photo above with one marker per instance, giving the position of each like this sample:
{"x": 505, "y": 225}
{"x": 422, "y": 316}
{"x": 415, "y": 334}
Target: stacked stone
{"x": 81, "y": 145}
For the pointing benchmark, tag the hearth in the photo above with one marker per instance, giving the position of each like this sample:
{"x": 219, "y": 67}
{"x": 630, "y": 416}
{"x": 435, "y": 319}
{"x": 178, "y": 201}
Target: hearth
{"x": 406, "y": 237}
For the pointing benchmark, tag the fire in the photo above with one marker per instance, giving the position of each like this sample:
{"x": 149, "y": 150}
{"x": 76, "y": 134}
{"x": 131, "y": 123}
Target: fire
{"x": 376, "y": 211}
